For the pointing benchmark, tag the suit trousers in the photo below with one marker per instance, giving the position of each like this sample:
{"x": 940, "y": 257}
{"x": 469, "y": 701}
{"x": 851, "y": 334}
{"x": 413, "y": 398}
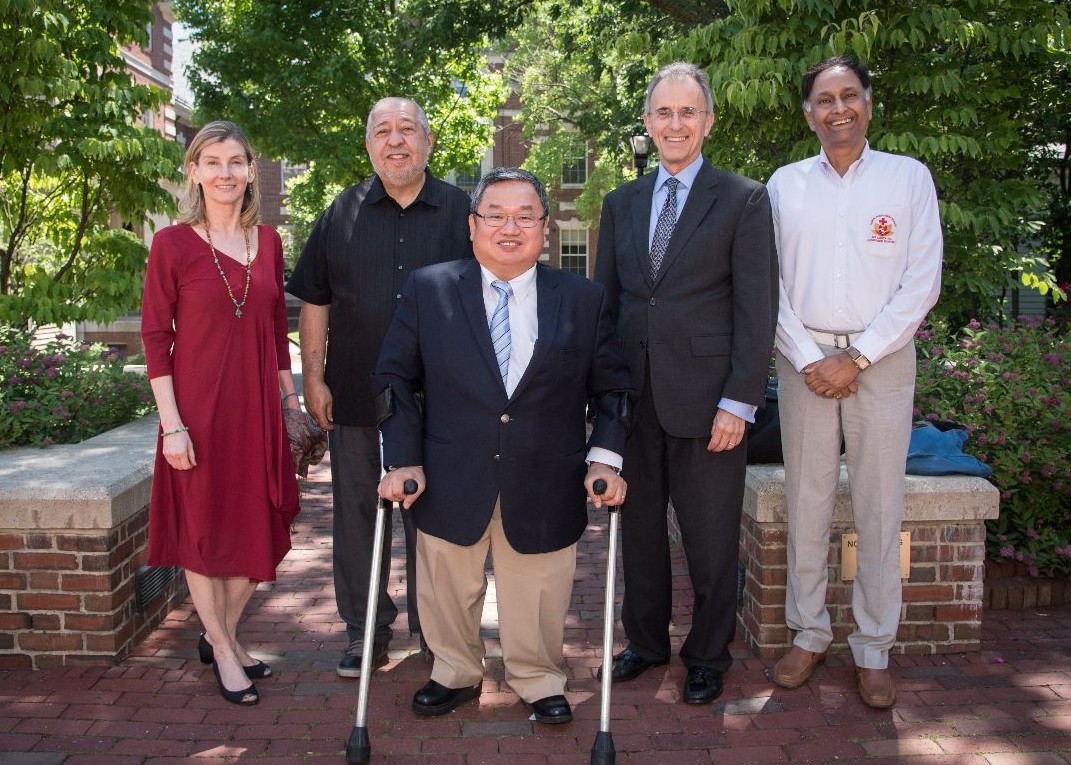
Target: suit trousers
{"x": 707, "y": 491}
{"x": 875, "y": 425}
{"x": 356, "y": 468}
{"x": 533, "y": 593}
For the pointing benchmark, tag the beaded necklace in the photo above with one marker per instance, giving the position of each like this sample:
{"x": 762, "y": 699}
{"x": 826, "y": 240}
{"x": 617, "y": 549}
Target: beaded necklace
{"x": 248, "y": 266}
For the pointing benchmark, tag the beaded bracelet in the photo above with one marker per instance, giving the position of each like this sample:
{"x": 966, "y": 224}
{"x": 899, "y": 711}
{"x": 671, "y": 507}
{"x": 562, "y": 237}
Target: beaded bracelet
{"x": 288, "y": 395}
{"x": 183, "y": 429}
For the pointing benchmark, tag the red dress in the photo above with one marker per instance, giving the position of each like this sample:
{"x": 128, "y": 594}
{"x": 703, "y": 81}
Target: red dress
{"x": 230, "y": 515}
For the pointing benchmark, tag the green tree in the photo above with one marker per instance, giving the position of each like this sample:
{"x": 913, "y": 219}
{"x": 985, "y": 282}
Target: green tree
{"x": 581, "y": 69}
{"x": 956, "y": 84}
{"x": 74, "y": 160}
{"x": 301, "y": 76}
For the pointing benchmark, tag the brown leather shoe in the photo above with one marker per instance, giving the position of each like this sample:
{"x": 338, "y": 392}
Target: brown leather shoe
{"x": 876, "y": 687}
{"x": 795, "y": 667}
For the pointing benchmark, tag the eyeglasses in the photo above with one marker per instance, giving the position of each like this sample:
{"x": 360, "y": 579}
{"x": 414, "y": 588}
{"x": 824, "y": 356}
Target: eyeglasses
{"x": 687, "y": 114}
{"x": 498, "y": 220}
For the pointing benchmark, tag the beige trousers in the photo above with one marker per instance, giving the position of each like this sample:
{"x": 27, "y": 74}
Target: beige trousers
{"x": 875, "y": 425}
{"x": 533, "y": 593}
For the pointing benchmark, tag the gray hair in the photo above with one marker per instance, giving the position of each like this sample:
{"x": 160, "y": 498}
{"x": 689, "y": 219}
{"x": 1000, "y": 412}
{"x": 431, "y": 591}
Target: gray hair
{"x": 422, "y": 117}
{"x": 680, "y": 70}
{"x": 502, "y": 174}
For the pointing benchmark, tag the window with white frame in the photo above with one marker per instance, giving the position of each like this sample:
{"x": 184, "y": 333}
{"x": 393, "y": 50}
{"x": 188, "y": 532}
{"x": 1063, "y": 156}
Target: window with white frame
{"x": 575, "y": 165}
{"x": 573, "y": 246}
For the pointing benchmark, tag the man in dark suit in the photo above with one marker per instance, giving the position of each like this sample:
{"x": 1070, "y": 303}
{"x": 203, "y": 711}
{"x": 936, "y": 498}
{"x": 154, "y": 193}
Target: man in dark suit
{"x": 687, "y": 256}
{"x": 506, "y": 354}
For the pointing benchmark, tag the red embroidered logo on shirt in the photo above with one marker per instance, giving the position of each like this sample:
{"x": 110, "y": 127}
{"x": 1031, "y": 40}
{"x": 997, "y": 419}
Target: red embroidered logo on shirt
{"x": 883, "y": 229}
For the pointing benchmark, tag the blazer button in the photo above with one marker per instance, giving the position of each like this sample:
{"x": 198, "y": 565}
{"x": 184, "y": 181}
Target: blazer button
{"x": 504, "y": 418}
{"x": 497, "y": 458}
{"x": 643, "y": 343}
{"x": 654, "y": 301}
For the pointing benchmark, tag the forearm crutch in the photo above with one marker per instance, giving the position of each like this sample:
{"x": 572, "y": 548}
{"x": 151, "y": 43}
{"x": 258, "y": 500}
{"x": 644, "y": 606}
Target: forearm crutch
{"x": 602, "y": 752}
{"x": 359, "y": 747}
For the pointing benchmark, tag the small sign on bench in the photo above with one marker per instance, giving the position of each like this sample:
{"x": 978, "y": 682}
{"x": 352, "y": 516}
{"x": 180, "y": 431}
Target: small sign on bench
{"x": 848, "y": 544}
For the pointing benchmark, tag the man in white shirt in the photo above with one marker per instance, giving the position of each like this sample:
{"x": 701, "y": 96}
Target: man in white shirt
{"x": 859, "y": 240}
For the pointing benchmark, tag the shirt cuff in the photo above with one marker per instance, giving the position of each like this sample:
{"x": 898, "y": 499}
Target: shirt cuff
{"x": 741, "y": 410}
{"x": 606, "y": 457}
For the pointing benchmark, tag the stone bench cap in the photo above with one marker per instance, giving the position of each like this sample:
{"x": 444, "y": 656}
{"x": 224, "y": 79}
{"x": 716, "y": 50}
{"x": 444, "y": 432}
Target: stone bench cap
{"x": 926, "y": 498}
{"x": 92, "y": 485}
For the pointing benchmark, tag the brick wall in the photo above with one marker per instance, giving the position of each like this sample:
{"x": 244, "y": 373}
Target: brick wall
{"x": 942, "y": 609}
{"x": 67, "y": 598}
{"x": 942, "y": 598}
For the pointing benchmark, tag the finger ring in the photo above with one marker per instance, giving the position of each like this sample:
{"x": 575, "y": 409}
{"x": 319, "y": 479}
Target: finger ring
{"x": 836, "y": 395}
{"x": 732, "y": 444}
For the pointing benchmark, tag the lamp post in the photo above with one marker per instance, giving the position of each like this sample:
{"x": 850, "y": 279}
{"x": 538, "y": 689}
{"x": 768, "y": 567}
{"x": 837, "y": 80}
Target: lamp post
{"x": 641, "y": 149}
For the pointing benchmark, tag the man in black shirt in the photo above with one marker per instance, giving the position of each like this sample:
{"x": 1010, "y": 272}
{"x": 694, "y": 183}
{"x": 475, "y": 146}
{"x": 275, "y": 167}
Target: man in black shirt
{"x": 349, "y": 277}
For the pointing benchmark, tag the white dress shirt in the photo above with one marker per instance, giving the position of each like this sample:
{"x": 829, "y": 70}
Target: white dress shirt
{"x": 858, "y": 253}
{"x": 524, "y": 332}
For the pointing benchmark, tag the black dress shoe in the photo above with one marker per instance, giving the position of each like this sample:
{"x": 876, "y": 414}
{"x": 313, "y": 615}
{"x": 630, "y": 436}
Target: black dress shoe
{"x": 435, "y": 699}
{"x": 702, "y": 686}
{"x": 552, "y": 710}
{"x": 628, "y": 665}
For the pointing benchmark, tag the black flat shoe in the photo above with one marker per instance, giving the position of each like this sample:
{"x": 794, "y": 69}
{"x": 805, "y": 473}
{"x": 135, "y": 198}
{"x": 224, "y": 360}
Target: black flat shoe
{"x": 702, "y": 686}
{"x": 436, "y": 699}
{"x": 628, "y": 665}
{"x": 257, "y": 671}
{"x": 246, "y": 697}
{"x": 553, "y": 710}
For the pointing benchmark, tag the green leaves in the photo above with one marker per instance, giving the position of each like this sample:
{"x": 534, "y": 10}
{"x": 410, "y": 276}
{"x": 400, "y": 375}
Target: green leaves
{"x": 301, "y": 76}
{"x": 956, "y": 84}
{"x": 1011, "y": 388}
{"x": 73, "y": 154}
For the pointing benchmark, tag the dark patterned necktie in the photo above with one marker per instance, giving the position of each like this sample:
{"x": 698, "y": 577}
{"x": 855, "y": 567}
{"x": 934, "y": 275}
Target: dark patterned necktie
{"x": 667, "y": 219}
{"x": 500, "y": 335}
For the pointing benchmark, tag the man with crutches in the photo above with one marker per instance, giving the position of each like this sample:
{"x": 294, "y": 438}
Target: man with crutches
{"x": 506, "y": 354}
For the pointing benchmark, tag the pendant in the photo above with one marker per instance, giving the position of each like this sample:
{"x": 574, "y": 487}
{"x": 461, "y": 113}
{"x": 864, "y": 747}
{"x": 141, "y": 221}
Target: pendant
{"x": 238, "y": 312}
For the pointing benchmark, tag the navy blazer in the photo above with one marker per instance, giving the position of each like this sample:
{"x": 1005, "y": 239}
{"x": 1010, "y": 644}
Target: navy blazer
{"x": 706, "y": 324}
{"x": 474, "y": 443}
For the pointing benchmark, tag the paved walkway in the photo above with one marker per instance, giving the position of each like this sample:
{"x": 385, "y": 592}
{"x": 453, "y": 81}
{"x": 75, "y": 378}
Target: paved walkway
{"x": 1010, "y": 704}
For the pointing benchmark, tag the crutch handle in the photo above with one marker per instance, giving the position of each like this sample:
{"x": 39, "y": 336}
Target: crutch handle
{"x": 599, "y": 487}
{"x": 409, "y": 487}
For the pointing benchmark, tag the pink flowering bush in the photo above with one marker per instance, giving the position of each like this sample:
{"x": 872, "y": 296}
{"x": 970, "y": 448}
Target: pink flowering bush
{"x": 1011, "y": 387}
{"x": 64, "y": 393}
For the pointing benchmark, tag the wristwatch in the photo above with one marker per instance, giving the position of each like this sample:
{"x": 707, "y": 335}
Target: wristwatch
{"x": 857, "y": 357}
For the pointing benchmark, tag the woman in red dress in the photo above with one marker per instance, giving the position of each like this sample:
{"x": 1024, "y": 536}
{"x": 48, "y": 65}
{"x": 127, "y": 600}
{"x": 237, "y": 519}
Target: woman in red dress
{"x": 214, "y": 327}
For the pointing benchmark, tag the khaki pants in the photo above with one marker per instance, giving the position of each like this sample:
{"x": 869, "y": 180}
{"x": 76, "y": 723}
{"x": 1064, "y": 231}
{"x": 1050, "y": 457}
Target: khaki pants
{"x": 533, "y": 597}
{"x": 875, "y": 424}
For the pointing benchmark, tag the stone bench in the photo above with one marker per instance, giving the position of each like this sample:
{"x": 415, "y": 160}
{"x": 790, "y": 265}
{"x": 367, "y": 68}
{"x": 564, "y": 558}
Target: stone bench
{"x": 73, "y": 530}
{"x": 942, "y": 598}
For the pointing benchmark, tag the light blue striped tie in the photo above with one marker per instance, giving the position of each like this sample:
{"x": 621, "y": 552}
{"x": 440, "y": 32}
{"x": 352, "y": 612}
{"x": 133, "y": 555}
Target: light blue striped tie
{"x": 500, "y": 336}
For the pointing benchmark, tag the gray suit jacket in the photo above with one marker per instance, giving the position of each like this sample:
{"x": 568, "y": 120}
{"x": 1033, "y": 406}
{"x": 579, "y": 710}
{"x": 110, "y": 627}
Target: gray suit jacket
{"x": 706, "y": 324}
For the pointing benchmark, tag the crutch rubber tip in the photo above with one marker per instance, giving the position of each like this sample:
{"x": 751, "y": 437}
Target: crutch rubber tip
{"x": 599, "y": 487}
{"x": 359, "y": 748}
{"x": 409, "y": 487}
{"x": 602, "y": 753}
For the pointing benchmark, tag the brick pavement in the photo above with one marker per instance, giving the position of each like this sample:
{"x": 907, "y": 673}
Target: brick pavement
{"x": 1010, "y": 704}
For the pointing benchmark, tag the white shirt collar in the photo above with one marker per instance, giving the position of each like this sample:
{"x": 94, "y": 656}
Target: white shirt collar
{"x": 520, "y": 284}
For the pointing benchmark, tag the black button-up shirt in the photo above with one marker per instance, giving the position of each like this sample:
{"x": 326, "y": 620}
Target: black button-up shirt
{"x": 358, "y": 256}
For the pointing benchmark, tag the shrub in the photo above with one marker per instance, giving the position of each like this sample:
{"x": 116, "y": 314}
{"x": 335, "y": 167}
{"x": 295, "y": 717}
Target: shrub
{"x": 1011, "y": 387}
{"x": 65, "y": 392}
